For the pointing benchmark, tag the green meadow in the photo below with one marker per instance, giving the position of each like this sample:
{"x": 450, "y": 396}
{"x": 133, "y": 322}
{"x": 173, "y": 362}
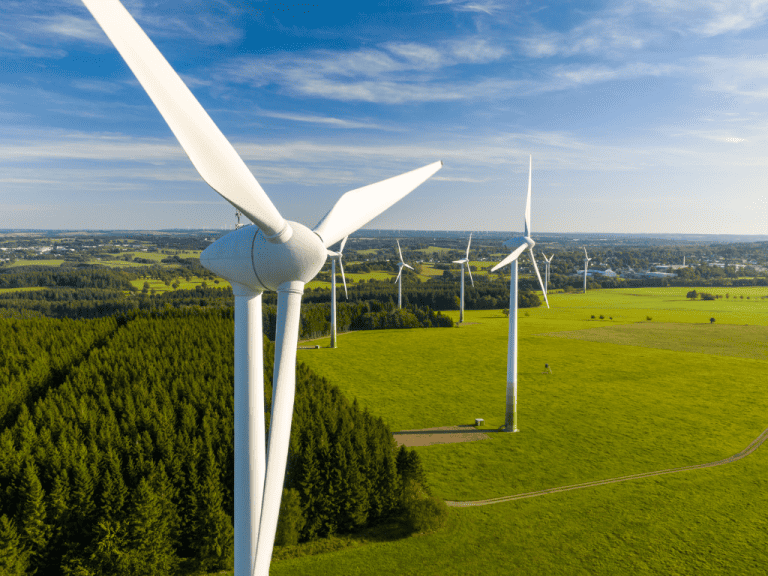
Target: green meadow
{"x": 626, "y": 395}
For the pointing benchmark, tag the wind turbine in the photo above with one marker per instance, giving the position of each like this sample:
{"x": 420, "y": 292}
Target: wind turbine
{"x": 399, "y": 278}
{"x": 336, "y": 257}
{"x": 546, "y": 271}
{"x": 586, "y": 265}
{"x": 273, "y": 255}
{"x": 463, "y": 261}
{"x": 519, "y": 244}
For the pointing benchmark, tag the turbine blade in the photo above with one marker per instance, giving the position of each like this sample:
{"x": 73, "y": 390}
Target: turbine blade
{"x": 341, "y": 267}
{"x": 358, "y": 207}
{"x": 283, "y": 392}
{"x": 408, "y": 266}
{"x": 398, "y": 275}
{"x": 343, "y": 243}
{"x": 470, "y": 274}
{"x": 585, "y": 253}
{"x": 468, "y": 244}
{"x": 512, "y": 257}
{"x": 210, "y": 152}
{"x": 400, "y": 252}
{"x": 528, "y": 201}
{"x": 536, "y": 267}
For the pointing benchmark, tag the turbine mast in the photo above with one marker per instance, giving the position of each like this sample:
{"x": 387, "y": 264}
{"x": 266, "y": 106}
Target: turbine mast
{"x": 510, "y": 417}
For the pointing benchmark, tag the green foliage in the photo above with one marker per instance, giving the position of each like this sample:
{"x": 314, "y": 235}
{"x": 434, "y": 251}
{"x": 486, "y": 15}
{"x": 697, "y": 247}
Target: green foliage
{"x": 291, "y": 519}
{"x": 124, "y": 463}
{"x": 13, "y": 556}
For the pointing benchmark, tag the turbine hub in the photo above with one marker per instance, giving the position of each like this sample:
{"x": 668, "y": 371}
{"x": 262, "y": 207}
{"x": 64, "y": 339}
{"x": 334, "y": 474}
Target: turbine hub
{"x": 246, "y": 257}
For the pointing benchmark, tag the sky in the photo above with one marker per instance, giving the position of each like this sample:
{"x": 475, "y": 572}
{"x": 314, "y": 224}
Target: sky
{"x": 641, "y": 116}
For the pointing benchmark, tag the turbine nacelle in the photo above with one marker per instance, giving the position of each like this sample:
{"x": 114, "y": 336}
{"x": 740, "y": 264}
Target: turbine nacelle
{"x": 247, "y": 257}
{"x": 513, "y": 243}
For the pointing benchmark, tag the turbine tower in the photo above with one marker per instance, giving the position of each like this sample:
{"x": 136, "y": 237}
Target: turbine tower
{"x": 273, "y": 255}
{"x": 336, "y": 257}
{"x": 586, "y": 265}
{"x": 546, "y": 271}
{"x": 463, "y": 261}
{"x": 519, "y": 244}
{"x": 399, "y": 278}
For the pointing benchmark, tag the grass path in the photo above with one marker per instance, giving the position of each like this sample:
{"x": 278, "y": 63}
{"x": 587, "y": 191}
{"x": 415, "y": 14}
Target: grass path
{"x": 754, "y": 445}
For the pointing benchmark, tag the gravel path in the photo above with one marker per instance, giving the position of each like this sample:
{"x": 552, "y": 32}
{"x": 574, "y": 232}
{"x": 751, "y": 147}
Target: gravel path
{"x": 746, "y": 452}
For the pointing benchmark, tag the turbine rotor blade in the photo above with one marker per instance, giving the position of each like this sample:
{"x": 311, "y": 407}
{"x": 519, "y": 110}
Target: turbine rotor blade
{"x": 512, "y": 257}
{"x": 210, "y": 152}
{"x": 283, "y": 393}
{"x": 400, "y": 252}
{"x": 343, "y": 243}
{"x": 468, "y": 244}
{"x": 470, "y": 274}
{"x": 358, "y": 207}
{"x": 398, "y": 275}
{"x": 528, "y": 201}
{"x": 341, "y": 267}
{"x": 536, "y": 267}
{"x": 408, "y": 266}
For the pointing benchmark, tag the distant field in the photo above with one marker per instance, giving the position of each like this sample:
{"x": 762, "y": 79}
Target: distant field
{"x": 36, "y": 263}
{"x": 722, "y": 340}
{"x": 626, "y": 395}
{"x": 25, "y": 289}
{"x": 159, "y": 286}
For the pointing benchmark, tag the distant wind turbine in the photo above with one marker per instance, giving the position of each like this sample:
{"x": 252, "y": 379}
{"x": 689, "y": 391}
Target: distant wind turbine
{"x": 519, "y": 244}
{"x": 586, "y": 265}
{"x": 463, "y": 261}
{"x": 546, "y": 271}
{"x": 275, "y": 255}
{"x": 336, "y": 257}
{"x": 399, "y": 278}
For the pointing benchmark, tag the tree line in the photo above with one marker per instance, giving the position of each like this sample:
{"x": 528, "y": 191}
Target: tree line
{"x": 124, "y": 465}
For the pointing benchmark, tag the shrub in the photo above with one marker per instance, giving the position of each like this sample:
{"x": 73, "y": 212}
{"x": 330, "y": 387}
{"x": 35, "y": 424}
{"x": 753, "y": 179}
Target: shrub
{"x": 423, "y": 513}
{"x": 602, "y": 317}
{"x": 648, "y": 318}
{"x": 711, "y": 320}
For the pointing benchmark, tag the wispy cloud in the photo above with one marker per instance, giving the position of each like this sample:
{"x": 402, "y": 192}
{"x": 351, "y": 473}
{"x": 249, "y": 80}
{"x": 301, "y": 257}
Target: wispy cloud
{"x": 478, "y": 6}
{"x": 393, "y": 73}
{"x": 324, "y": 120}
{"x": 710, "y": 17}
{"x": 738, "y": 76}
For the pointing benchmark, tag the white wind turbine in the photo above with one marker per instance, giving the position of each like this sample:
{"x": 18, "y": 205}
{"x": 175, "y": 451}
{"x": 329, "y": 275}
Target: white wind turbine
{"x": 399, "y": 278}
{"x": 519, "y": 244}
{"x": 278, "y": 255}
{"x": 336, "y": 257}
{"x": 546, "y": 271}
{"x": 463, "y": 261}
{"x": 586, "y": 265}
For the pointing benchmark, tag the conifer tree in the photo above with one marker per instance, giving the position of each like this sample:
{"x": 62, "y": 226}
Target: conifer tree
{"x": 13, "y": 557}
{"x": 35, "y": 531}
{"x": 214, "y": 547}
{"x": 149, "y": 550}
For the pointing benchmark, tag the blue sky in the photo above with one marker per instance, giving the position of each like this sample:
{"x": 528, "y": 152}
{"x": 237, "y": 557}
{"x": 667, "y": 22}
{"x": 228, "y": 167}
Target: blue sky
{"x": 641, "y": 116}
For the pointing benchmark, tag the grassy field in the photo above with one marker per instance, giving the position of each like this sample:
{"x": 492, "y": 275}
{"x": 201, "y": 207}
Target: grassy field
{"x": 24, "y": 289}
{"x": 626, "y": 395}
{"x": 159, "y": 286}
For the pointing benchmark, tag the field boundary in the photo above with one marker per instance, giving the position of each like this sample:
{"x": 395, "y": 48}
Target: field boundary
{"x": 754, "y": 445}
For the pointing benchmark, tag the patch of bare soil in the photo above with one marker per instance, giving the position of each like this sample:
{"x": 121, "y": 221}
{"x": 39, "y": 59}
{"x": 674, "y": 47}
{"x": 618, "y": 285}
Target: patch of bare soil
{"x": 440, "y": 435}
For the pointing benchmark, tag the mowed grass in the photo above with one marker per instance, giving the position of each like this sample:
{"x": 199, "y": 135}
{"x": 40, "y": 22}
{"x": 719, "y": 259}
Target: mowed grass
{"x": 722, "y": 340}
{"x": 705, "y": 522}
{"x": 610, "y": 408}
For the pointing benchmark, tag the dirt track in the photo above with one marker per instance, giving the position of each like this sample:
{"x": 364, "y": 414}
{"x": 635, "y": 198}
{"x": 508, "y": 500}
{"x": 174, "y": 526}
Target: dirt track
{"x": 746, "y": 452}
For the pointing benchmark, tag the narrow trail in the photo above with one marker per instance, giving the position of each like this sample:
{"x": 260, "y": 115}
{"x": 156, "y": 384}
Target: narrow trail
{"x": 754, "y": 445}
